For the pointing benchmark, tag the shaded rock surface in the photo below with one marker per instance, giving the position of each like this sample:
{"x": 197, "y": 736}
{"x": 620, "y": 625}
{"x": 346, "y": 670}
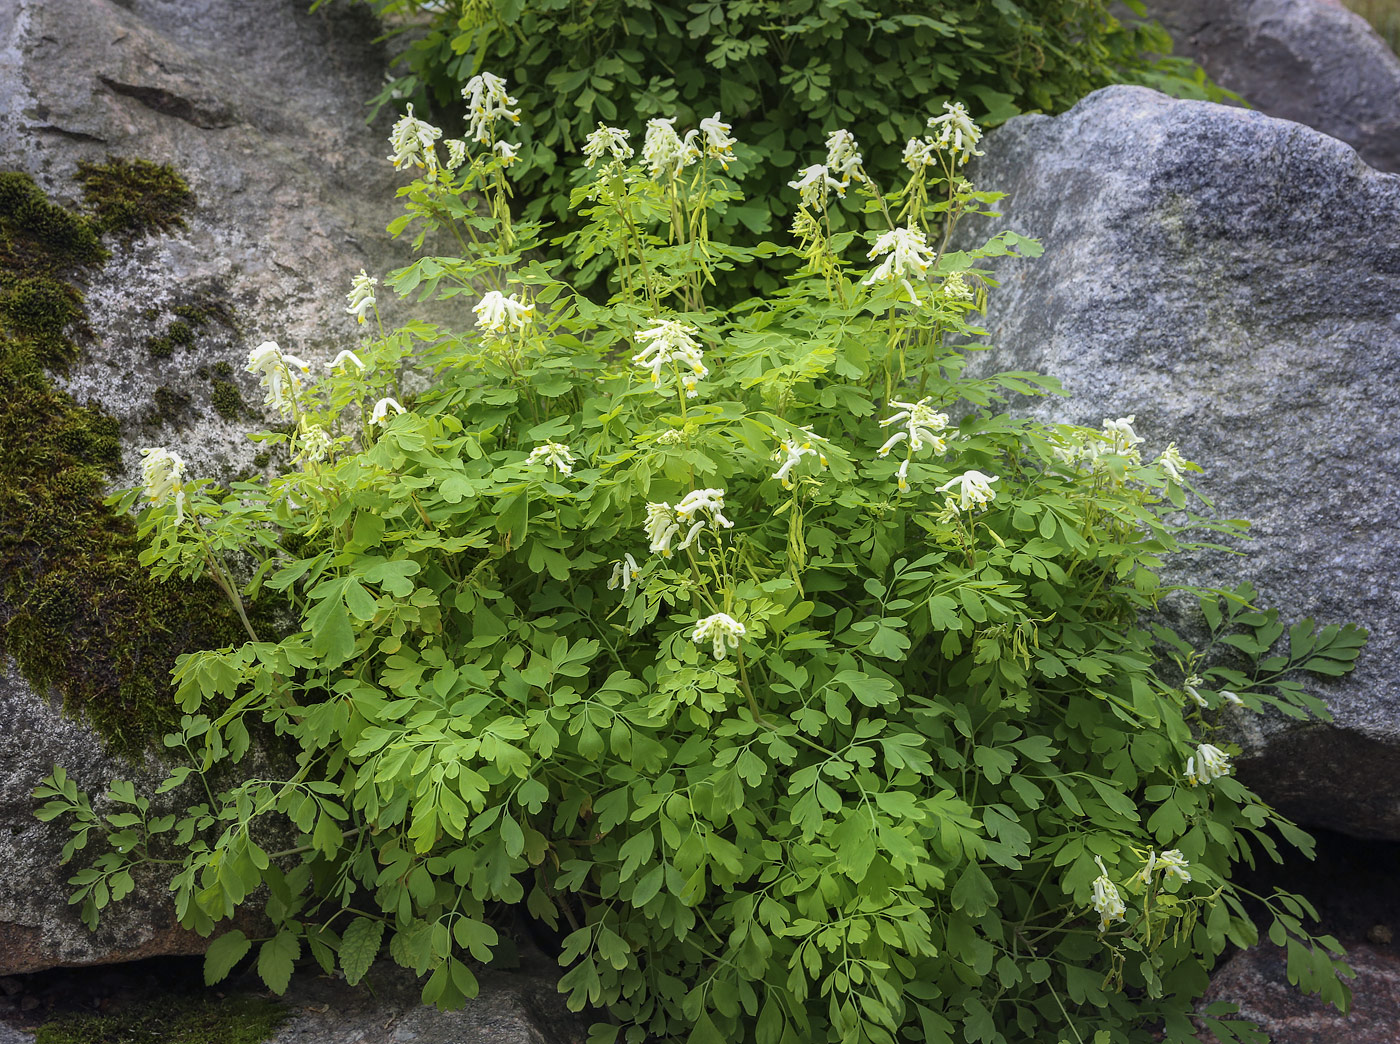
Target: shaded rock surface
{"x": 1232, "y": 280}
{"x": 260, "y": 106}
{"x": 1311, "y": 61}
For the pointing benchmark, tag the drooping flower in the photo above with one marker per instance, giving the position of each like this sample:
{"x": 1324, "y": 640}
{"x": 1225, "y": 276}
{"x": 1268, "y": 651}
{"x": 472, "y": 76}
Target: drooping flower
{"x": 556, "y": 455}
{"x": 722, "y": 629}
{"x": 497, "y": 314}
{"x": 1172, "y": 462}
{"x": 955, "y": 287}
{"x": 314, "y": 444}
{"x": 704, "y": 501}
{"x": 664, "y": 152}
{"x": 610, "y": 141}
{"x": 346, "y": 357}
{"x": 1108, "y": 904}
{"x": 791, "y": 451}
{"x": 956, "y": 131}
{"x": 1189, "y": 686}
{"x": 624, "y": 572}
{"x": 360, "y": 299}
{"x": 280, "y": 375}
{"x": 902, "y": 475}
{"x": 813, "y": 183}
{"x": 918, "y": 154}
{"x": 718, "y": 142}
{"x": 487, "y": 102}
{"x": 456, "y": 152}
{"x": 1208, "y": 763}
{"x": 509, "y": 153}
{"x": 380, "y": 414}
{"x": 661, "y": 528}
{"x": 697, "y": 509}
{"x": 1122, "y": 439}
{"x": 163, "y": 475}
{"x": 1231, "y": 698}
{"x": 412, "y": 141}
{"x": 974, "y": 489}
{"x": 907, "y": 256}
{"x": 1171, "y": 863}
{"x": 670, "y": 341}
{"x": 921, "y": 427}
{"x": 843, "y": 157}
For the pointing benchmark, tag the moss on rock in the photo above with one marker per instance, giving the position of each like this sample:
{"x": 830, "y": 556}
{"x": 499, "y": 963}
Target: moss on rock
{"x": 198, "y": 1019}
{"x": 130, "y": 197}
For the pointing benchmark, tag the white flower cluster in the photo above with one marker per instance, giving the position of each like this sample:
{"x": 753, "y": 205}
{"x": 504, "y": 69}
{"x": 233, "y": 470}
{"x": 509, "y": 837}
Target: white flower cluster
{"x": 1108, "y": 904}
{"x": 953, "y": 132}
{"x": 955, "y": 287}
{"x": 606, "y": 141}
{"x": 456, "y": 152}
{"x": 813, "y": 183}
{"x": 670, "y": 342}
{"x": 907, "y": 256}
{"x": 1208, "y": 763}
{"x": 314, "y": 444}
{"x": 280, "y": 375}
{"x": 1171, "y": 862}
{"x": 696, "y": 510}
{"x": 1172, "y": 462}
{"x": 1121, "y": 437}
{"x": 722, "y": 629}
{"x": 921, "y": 427}
{"x": 843, "y": 157}
{"x": 380, "y": 414}
{"x": 487, "y": 102}
{"x": 412, "y": 141}
{"x": 624, "y": 573}
{"x": 556, "y": 455}
{"x": 360, "y": 299}
{"x": 497, "y": 314}
{"x": 974, "y": 489}
{"x": 791, "y": 451}
{"x": 719, "y": 143}
{"x": 664, "y": 152}
{"x": 1189, "y": 687}
{"x": 163, "y": 475}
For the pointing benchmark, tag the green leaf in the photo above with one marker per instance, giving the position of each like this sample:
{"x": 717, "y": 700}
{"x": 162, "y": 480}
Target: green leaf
{"x": 359, "y": 946}
{"x": 223, "y": 953}
{"x": 276, "y": 959}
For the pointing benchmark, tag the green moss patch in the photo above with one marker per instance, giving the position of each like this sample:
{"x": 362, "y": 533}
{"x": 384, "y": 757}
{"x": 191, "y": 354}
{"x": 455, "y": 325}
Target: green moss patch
{"x": 79, "y": 614}
{"x": 130, "y": 198}
{"x": 197, "y": 1019}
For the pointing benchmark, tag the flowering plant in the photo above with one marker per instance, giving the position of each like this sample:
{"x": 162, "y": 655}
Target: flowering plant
{"x": 803, "y": 691}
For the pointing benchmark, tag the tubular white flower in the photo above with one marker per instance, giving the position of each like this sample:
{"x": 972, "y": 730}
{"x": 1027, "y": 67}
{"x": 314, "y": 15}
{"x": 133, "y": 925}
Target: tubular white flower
{"x": 497, "y": 314}
{"x": 918, "y": 154}
{"x": 974, "y": 489}
{"x": 163, "y": 475}
{"x": 1208, "y": 763}
{"x": 902, "y": 476}
{"x": 708, "y": 501}
{"x": 624, "y": 572}
{"x": 956, "y": 131}
{"x": 1173, "y": 864}
{"x": 314, "y": 444}
{"x": 955, "y": 287}
{"x": 670, "y": 342}
{"x": 609, "y": 141}
{"x": 412, "y": 141}
{"x": 664, "y": 152}
{"x": 1231, "y": 698}
{"x": 456, "y": 152}
{"x": 556, "y": 455}
{"x": 1108, "y": 904}
{"x": 487, "y": 102}
{"x": 509, "y": 153}
{"x": 718, "y": 142}
{"x": 921, "y": 428}
{"x": 907, "y": 256}
{"x": 280, "y": 375}
{"x": 843, "y": 157}
{"x": 1189, "y": 687}
{"x": 1123, "y": 440}
{"x": 380, "y": 414}
{"x": 813, "y": 183}
{"x": 1172, "y": 462}
{"x": 791, "y": 451}
{"x": 360, "y": 299}
{"x": 722, "y": 629}
{"x": 346, "y": 357}
{"x": 661, "y": 528}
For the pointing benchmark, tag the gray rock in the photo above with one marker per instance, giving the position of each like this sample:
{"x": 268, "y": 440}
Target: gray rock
{"x": 261, "y": 107}
{"x": 1310, "y": 61}
{"x": 1234, "y": 281}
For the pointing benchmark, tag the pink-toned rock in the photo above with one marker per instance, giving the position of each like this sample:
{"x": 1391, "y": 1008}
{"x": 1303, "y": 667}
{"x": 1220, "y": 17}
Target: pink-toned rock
{"x": 1257, "y": 981}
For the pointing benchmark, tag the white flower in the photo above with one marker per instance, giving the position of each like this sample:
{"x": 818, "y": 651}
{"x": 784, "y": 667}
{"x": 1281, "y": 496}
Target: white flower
{"x": 1231, "y": 698}
{"x": 923, "y": 423}
{"x": 664, "y": 152}
{"x": 1174, "y": 865}
{"x": 412, "y": 141}
{"x": 813, "y": 183}
{"x": 624, "y": 572}
{"x": 955, "y": 288}
{"x": 842, "y": 156}
{"x": 709, "y": 501}
{"x": 163, "y": 475}
{"x": 722, "y": 629}
{"x": 496, "y": 313}
{"x": 974, "y": 489}
{"x": 918, "y": 153}
{"x": 1108, "y": 904}
{"x": 1122, "y": 439}
{"x": 1172, "y": 462}
{"x": 670, "y": 342}
{"x": 902, "y": 476}
{"x": 509, "y": 153}
{"x": 456, "y": 152}
{"x": 1207, "y": 764}
{"x": 1190, "y": 686}
{"x": 346, "y": 356}
{"x": 315, "y": 444}
{"x": 380, "y": 414}
{"x": 606, "y": 141}
{"x": 661, "y": 528}
{"x": 361, "y": 296}
{"x": 907, "y": 256}
{"x": 279, "y": 373}
{"x": 958, "y": 133}
{"x": 555, "y": 454}
{"x": 487, "y": 101}
{"x": 697, "y": 509}
{"x": 791, "y": 451}
{"x": 718, "y": 142}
